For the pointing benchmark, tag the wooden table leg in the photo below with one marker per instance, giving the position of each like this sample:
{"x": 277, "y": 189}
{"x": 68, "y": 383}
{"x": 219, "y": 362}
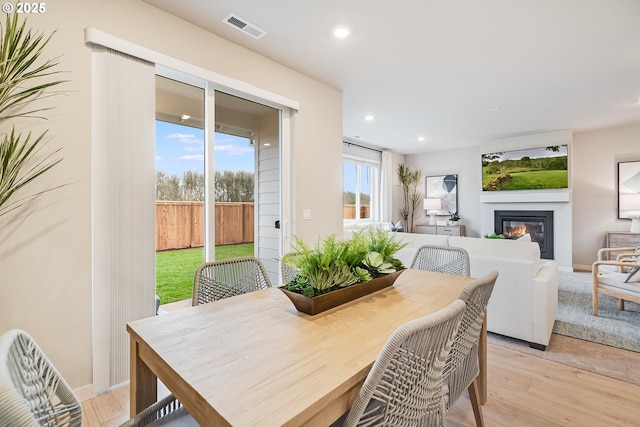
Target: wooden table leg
{"x": 143, "y": 386}
{"x": 482, "y": 362}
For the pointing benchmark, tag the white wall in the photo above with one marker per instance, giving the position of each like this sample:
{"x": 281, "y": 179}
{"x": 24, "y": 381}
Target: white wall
{"x": 45, "y": 256}
{"x": 595, "y": 173}
{"x": 466, "y": 164}
{"x": 557, "y": 200}
{"x": 476, "y": 209}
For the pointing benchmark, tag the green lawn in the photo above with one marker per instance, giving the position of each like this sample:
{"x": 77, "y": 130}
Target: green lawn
{"x": 531, "y": 179}
{"x": 175, "y": 269}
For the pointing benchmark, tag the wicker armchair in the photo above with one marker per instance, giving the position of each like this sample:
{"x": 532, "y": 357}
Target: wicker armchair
{"x": 404, "y": 386}
{"x": 442, "y": 259}
{"x": 461, "y": 369}
{"x": 612, "y": 277}
{"x": 217, "y": 280}
{"x": 34, "y": 394}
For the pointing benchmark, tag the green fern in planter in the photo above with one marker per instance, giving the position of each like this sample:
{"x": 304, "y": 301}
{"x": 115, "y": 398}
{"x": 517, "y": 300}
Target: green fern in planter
{"x": 333, "y": 264}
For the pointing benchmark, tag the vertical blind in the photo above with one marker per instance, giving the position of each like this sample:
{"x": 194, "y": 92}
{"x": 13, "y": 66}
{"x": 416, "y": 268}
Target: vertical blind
{"x": 123, "y": 207}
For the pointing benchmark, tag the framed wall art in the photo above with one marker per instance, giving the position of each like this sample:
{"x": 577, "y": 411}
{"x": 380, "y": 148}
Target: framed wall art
{"x": 628, "y": 189}
{"x": 445, "y": 188}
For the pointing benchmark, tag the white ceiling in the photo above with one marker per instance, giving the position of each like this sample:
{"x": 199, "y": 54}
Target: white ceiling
{"x": 439, "y": 68}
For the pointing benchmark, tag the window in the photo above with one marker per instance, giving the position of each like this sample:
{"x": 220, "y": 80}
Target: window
{"x": 360, "y": 183}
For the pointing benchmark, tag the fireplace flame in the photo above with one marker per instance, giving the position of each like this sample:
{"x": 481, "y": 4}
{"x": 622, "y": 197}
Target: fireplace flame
{"x": 517, "y": 231}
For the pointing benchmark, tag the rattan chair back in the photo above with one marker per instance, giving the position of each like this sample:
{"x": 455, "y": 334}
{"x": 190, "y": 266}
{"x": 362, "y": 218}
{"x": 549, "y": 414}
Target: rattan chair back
{"x": 226, "y": 278}
{"x": 442, "y": 259}
{"x": 461, "y": 368}
{"x": 404, "y": 386}
{"x": 32, "y": 392}
{"x": 288, "y": 271}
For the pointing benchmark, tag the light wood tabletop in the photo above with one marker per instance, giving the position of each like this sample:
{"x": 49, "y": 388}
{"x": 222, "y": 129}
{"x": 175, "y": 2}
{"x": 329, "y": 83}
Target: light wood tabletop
{"x": 253, "y": 360}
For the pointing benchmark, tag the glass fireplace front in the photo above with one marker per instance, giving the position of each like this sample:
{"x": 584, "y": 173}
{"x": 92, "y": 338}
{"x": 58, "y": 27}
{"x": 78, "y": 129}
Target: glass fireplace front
{"x": 539, "y": 225}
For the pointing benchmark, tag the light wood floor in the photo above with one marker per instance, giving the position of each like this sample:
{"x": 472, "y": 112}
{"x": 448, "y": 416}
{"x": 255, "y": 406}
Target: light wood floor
{"x": 524, "y": 391}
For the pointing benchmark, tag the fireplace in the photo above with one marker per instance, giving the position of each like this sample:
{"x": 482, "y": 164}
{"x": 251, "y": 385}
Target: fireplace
{"x": 539, "y": 225}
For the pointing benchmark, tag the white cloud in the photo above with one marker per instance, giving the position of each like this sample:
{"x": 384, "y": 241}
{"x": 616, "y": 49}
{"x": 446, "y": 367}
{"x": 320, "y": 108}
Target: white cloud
{"x": 233, "y": 150}
{"x": 191, "y": 148}
{"x": 185, "y": 138}
{"x": 194, "y": 157}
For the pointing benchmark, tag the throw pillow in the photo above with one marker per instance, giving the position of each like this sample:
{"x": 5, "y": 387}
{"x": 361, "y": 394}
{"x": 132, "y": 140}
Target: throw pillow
{"x": 634, "y": 273}
{"x": 525, "y": 237}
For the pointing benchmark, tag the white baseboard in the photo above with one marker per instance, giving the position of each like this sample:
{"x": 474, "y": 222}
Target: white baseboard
{"x": 580, "y": 267}
{"x": 84, "y": 393}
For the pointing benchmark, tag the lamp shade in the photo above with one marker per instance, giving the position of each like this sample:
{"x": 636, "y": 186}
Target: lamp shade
{"x": 629, "y": 202}
{"x": 432, "y": 204}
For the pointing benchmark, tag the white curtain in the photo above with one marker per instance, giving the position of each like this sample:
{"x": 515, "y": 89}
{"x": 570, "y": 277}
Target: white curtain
{"x": 123, "y": 207}
{"x": 386, "y": 186}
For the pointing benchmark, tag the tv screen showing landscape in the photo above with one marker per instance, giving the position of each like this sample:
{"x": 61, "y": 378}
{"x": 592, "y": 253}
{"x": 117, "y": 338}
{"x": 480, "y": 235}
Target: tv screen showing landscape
{"x": 529, "y": 169}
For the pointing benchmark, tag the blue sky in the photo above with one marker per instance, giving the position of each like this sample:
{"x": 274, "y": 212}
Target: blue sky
{"x": 180, "y": 148}
{"x": 349, "y": 179}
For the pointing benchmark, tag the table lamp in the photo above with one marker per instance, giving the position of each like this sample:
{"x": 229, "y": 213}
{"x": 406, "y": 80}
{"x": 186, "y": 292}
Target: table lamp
{"x": 432, "y": 206}
{"x": 630, "y": 207}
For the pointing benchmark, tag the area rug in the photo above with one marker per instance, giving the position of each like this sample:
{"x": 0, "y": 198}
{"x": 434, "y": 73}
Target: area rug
{"x": 611, "y": 327}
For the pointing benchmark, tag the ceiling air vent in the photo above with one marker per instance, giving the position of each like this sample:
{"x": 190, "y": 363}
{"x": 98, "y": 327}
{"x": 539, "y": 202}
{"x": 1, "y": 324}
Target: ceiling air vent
{"x": 244, "y": 26}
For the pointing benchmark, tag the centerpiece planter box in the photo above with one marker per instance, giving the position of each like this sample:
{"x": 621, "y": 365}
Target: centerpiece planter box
{"x": 324, "y": 302}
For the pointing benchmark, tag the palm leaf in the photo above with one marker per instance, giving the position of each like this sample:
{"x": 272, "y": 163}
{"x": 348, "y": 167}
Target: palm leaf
{"x": 22, "y": 159}
{"x": 19, "y": 167}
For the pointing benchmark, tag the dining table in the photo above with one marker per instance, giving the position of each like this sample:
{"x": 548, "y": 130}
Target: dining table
{"x": 254, "y": 360}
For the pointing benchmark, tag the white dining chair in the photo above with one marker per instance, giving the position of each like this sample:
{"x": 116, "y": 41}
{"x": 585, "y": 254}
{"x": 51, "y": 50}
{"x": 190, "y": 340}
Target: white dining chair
{"x": 405, "y": 384}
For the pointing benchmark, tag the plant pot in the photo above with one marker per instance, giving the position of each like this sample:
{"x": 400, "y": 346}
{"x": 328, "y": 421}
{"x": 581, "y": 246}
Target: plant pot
{"x": 333, "y": 299}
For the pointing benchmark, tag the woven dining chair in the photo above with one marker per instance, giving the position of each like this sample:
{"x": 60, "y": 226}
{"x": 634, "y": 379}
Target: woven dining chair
{"x": 288, "y": 271}
{"x": 221, "y": 279}
{"x": 461, "y": 368}
{"x": 404, "y": 386}
{"x": 442, "y": 259}
{"x": 34, "y": 394}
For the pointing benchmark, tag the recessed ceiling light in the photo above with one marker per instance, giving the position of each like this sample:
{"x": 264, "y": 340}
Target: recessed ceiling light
{"x": 185, "y": 117}
{"x": 369, "y": 118}
{"x": 341, "y": 31}
{"x": 266, "y": 144}
{"x": 421, "y": 138}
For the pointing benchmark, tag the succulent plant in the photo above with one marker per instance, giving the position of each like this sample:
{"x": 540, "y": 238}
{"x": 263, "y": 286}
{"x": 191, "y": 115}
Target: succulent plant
{"x": 376, "y": 264}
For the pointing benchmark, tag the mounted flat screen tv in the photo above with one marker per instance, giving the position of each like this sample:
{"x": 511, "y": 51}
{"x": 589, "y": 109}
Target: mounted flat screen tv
{"x": 529, "y": 169}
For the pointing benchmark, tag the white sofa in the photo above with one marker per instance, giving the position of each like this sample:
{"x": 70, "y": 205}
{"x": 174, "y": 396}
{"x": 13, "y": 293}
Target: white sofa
{"x": 524, "y": 301}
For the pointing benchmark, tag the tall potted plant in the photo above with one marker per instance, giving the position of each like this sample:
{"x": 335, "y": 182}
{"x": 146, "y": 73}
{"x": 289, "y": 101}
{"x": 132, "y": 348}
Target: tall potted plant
{"x": 409, "y": 180}
{"x": 24, "y": 78}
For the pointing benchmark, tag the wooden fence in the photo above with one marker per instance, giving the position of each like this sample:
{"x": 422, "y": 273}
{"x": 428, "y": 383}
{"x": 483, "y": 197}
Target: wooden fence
{"x": 180, "y": 225}
{"x": 349, "y": 211}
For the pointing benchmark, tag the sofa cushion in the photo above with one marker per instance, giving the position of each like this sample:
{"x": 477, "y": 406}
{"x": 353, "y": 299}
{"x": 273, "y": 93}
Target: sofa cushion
{"x": 500, "y": 248}
{"x": 414, "y": 242}
{"x": 616, "y": 282}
